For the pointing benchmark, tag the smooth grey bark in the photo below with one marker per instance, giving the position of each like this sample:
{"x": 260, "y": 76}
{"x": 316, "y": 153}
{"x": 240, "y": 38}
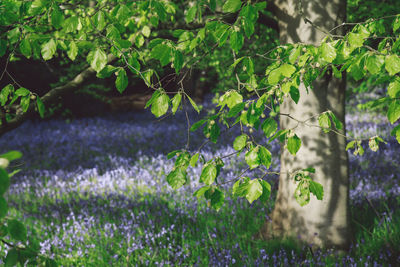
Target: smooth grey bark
{"x": 323, "y": 223}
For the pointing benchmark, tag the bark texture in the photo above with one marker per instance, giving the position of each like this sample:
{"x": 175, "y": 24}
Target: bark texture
{"x": 322, "y": 223}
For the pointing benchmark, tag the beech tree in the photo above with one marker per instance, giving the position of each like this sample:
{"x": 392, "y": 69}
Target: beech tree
{"x": 300, "y": 83}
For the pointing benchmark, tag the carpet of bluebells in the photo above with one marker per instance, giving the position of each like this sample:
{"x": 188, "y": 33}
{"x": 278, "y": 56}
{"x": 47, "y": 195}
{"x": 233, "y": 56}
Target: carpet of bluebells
{"x": 94, "y": 191}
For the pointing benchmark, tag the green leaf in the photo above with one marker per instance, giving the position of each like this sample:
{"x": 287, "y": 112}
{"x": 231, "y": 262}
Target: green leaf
{"x": 266, "y": 190}
{"x": 324, "y": 122}
{"x": 287, "y": 70}
{"x": 25, "y": 103}
{"x": 350, "y": 144}
{"x": 293, "y": 144}
{"x": 235, "y": 110}
{"x": 153, "y": 97}
{"x": 317, "y": 189}
{"x": 40, "y": 107}
{"x": 269, "y": 127}
{"x": 355, "y": 40}
{"x": 294, "y": 94}
{"x": 25, "y": 47}
{"x": 176, "y": 100}
{"x": 3, "y": 47}
{"x": 197, "y": 125}
{"x": 193, "y": 104}
{"x": 302, "y": 193}
{"x": 194, "y": 159}
{"x": 172, "y": 154}
{"x": 57, "y": 17}
{"x": 50, "y": 263}
{"x": 328, "y": 52}
{"x": 240, "y": 187}
{"x": 265, "y": 156}
{"x": 274, "y": 76}
{"x": 3, "y": 207}
{"x": 396, "y": 24}
{"x": 393, "y": 113}
{"x": 254, "y": 190}
{"x": 11, "y": 258}
{"x": 191, "y": 14}
{"x": 22, "y": 92}
{"x": 336, "y": 72}
{"x": 4, "y": 181}
{"x": 177, "y": 178}
{"x": 231, "y": 99}
{"x": 162, "y": 52}
{"x": 236, "y": 40}
{"x": 160, "y": 105}
{"x": 11, "y": 155}
{"x": 217, "y": 199}
{"x": 71, "y": 24}
{"x": 72, "y": 51}
{"x": 5, "y": 93}
{"x": 252, "y": 158}
{"x": 208, "y": 174}
{"x": 146, "y": 31}
{"x": 183, "y": 160}
{"x": 394, "y": 88}
{"x": 336, "y": 121}
{"x": 240, "y": 142}
{"x": 17, "y": 230}
{"x": 374, "y": 63}
{"x": 392, "y": 64}
{"x": 97, "y": 59}
{"x": 178, "y": 61}
{"x": 49, "y": 49}
{"x": 396, "y": 132}
{"x": 231, "y": 6}
{"x": 106, "y": 72}
{"x": 100, "y": 20}
{"x": 122, "y": 80}
{"x": 200, "y": 192}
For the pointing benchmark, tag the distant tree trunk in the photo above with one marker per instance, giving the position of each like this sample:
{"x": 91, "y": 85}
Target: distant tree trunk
{"x": 323, "y": 223}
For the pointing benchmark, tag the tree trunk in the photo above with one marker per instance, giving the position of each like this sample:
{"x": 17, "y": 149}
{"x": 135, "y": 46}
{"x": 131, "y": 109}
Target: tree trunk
{"x": 321, "y": 223}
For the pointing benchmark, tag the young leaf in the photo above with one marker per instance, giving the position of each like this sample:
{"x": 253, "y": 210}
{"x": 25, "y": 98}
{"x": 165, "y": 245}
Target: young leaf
{"x": 191, "y": 14}
{"x": 194, "y": 159}
{"x": 394, "y": 88}
{"x": 177, "y": 178}
{"x": 160, "y": 105}
{"x": 40, "y": 106}
{"x": 287, "y": 70}
{"x": 97, "y": 59}
{"x": 146, "y": 31}
{"x": 293, "y": 144}
{"x": 350, "y": 144}
{"x": 324, "y": 122}
{"x": 72, "y": 51}
{"x": 22, "y": 92}
{"x": 197, "y": 125}
{"x": 269, "y": 127}
{"x": 392, "y": 64}
{"x": 393, "y": 112}
{"x": 374, "y": 63}
{"x": 172, "y": 154}
{"x": 254, "y": 190}
{"x": 231, "y": 99}
{"x": 11, "y": 155}
{"x": 48, "y": 49}
{"x": 266, "y": 190}
{"x": 200, "y": 192}
{"x": 231, "y": 6}
{"x": 178, "y": 61}
{"x": 176, "y": 100}
{"x": 328, "y": 52}
{"x": 265, "y": 156}
{"x": 336, "y": 121}
{"x": 396, "y": 132}
{"x": 5, "y": 93}
{"x": 155, "y": 95}
{"x": 193, "y": 104}
{"x": 122, "y": 80}
{"x": 217, "y": 199}
{"x": 25, "y": 101}
{"x": 100, "y": 20}
{"x": 25, "y": 47}
{"x": 240, "y": 142}
{"x": 252, "y": 158}
{"x": 208, "y": 174}
{"x": 71, "y": 24}
{"x": 236, "y": 40}
{"x": 317, "y": 190}
{"x": 302, "y": 194}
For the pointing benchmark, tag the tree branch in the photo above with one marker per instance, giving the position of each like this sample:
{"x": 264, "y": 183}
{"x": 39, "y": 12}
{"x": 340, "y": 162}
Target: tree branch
{"x": 52, "y": 96}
